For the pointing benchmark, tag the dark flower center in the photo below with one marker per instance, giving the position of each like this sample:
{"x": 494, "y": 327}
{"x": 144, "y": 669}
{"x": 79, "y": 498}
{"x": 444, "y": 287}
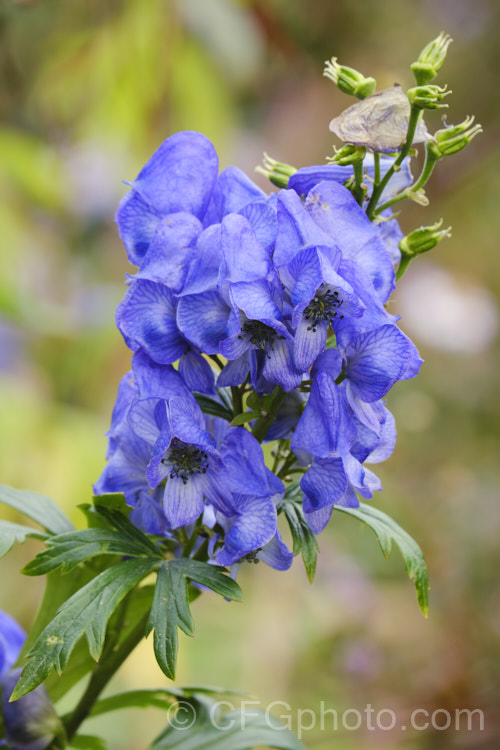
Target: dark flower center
{"x": 259, "y": 334}
{"x": 185, "y": 460}
{"x": 251, "y": 557}
{"x": 324, "y": 306}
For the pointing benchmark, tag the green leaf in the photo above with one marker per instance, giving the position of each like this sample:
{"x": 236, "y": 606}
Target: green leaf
{"x": 87, "y": 611}
{"x": 200, "y": 726}
{"x": 211, "y": 406}
{"x": 38, "y": 507}
{"x": 161, "y": 698}
{"x": 115, "y": 511}
{"x": 212, "y": 576}
{"x": 87, "y": 742}
{"x": 66, "y": 551}
{"x": 244, "y": 418}
{"x": 10, "y": 533}
{"x": 226, "y": 396}
{"x": 170, "y": 608}
{"x": 387, "y": 531}
{"x": 304, "y": 540}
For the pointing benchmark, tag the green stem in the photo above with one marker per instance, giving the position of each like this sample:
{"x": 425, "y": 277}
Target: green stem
{"x": 263, "y": 424}
{"x": 217, "y": 361}
{"x": 285, "y": 469}
{"x": 403, "y": 265}
{"x": 376, "y": 164}
{"x": 358, "y": 179}
{"x": 237, "y": 400}
{"x": 101, "y": 675}
{"x": 410, "y": 135}
{"x": 427, "y": 169}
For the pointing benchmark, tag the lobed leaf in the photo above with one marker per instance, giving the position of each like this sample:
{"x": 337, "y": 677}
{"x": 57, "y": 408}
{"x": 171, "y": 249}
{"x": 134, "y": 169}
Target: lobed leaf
{"x": 86, "y": 612}
{"x": 66, "y": 551}
{"x": 387, "y": 531}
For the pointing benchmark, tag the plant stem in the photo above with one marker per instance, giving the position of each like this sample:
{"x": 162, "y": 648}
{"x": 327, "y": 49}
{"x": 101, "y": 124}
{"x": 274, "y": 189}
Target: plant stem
{"x": 358, "y": 179}
{"x": 415, "y": 114}
{"x": 237, "y": 400}
{"x": 101, "y": 675}
{"x": 429, "y": 164}
{"x": 263, "y": 424}
{"x": 376, "y": 165}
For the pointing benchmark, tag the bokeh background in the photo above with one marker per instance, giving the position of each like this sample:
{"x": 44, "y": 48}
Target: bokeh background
{"x": 89, "y": 89}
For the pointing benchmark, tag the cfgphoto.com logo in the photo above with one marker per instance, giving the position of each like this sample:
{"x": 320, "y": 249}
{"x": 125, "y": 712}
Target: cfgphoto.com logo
{"x": 279, "y": 715}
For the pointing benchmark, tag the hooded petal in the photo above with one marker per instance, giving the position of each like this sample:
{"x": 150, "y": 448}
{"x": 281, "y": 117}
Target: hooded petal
{"x": 147, "y": 319}
{"x": 171, "y": 251}
{"x": 244, "y": 257}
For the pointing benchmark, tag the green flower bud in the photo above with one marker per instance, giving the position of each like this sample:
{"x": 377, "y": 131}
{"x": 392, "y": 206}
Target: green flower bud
{"x": 454, "y": 138}
{"x": 428, "y": 97}
{"x": 276, "y": 171}
{"x": 348, "y": 155}
{"x": 431, "y": 59}
{"x": 348, "y": 80}
{"x": 423, "y": 239}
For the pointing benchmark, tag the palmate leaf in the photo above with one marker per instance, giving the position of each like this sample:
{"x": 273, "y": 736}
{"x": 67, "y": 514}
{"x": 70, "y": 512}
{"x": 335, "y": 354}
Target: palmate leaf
{"x": 10, "y": 533}
{"x": 86, "y": 612}
{"x": 387, "y": 531}
{"x": 37, "y": 507}
{"x": 170, "y": 609}
{"x": 66, "y": 551}
{"x": 114, "y": 535}
{"x": 200, "y": 726}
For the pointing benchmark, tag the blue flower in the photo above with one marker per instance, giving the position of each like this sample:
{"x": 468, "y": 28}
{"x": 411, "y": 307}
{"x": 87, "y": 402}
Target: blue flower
{"x": 31, "y": 722}
{"x": 179, "y": 178}
{"x": 12, "y": 638}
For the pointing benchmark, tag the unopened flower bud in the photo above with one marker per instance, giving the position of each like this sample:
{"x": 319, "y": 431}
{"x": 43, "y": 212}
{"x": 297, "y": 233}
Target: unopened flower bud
{"x": 428, "y": 97}
{"x": 349, "y": 80}
{"x": 348, "y": 155}
{"x": 431, "y": 59}
{"x": 454, "y": 138}
{"x": 276, "y": 171}
{"x": 423, "y": 239}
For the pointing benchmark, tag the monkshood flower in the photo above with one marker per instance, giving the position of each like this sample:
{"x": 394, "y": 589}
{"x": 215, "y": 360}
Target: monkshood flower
{"x": 31, "y": 722}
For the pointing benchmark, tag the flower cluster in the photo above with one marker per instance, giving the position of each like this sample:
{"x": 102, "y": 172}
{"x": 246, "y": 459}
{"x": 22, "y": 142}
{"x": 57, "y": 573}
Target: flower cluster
{"x": 253, "y": 318}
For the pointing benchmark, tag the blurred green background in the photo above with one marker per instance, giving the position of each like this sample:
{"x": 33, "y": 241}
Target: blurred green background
{"x": 89, "y": 89}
